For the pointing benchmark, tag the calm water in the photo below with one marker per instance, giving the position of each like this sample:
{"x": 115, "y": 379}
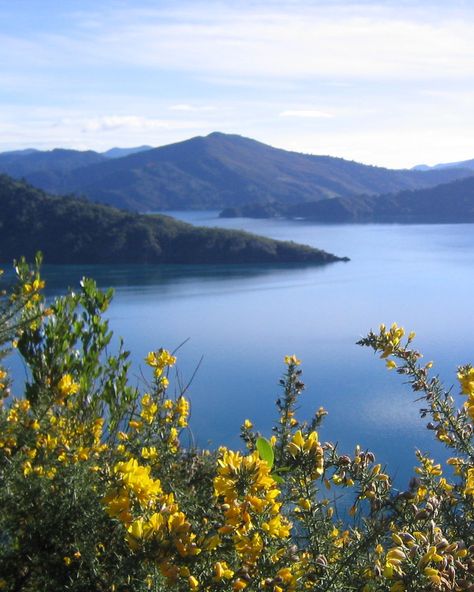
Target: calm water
{"x": 242, "y": 320}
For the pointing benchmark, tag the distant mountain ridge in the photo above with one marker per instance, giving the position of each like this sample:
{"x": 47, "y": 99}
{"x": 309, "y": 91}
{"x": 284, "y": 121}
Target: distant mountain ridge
{"x": 49, "y": 166}
{"x": 120, "y": 152}
{"x": 446, "y": 203}
{"x": 463, "y": 164}
{"x": 71, "y": 230}
{"x": 215, "y": 171}
{"x": 115, "y": 152}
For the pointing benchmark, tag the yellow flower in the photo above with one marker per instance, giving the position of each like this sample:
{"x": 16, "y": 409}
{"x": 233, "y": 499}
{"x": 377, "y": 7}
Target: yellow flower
{"x": 238, "y": 473}
{"x": 308, "y": 448}
{"x": 222, "y": 571}
{"x": 466, "y": 379}
{"x": 304, "y": 503}
{"x": 135, "y": 480}
{"x": 160, "y": 359}
{"x": 292, "y": 360}
{"x": 287, "y": 576}
{"x": 135, "y": 533}
{"x": 149, "y": 452}
{"x": 155, "y": 523}
{"x": 67, "y": 386}
{"x": 3, "y": 375}
{"x": 391, "y": 338}
{"x": 182, "y": 409}
{"x": 277, "y": 527}
{"x": 429, "y": 467}
{"x": 469, "y": 489}
{"x": 136, "y": 529}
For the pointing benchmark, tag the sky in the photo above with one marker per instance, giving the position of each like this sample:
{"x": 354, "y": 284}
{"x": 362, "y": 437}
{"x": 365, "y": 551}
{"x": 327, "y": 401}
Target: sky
{"x": 384, "y": 82}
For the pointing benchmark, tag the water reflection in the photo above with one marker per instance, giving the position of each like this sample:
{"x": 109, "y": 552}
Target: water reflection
{"x": 243, "y": 319}
{"x": 59, "y": 277}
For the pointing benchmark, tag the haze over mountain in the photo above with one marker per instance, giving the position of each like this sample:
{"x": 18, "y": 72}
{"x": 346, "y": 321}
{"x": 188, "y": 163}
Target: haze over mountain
{"x": 119, "y": 152}
{"x": 71, "y": 230}
{"x": 50, "y": 165}
{"x": 214, "y": 171}
{"x": 446, "y": 203}
{"x": 463, "y": 164}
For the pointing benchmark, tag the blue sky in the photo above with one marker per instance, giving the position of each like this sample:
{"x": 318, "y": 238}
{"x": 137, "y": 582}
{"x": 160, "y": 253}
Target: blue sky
{"x": 382, "y": 82}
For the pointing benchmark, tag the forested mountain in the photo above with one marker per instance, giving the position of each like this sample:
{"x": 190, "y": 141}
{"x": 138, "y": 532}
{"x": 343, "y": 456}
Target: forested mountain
{"x": 447, "y": 203}
{"x": 27, "y": 163}
{"x": 215, "y": 171}
{"x": 72, "y": 230}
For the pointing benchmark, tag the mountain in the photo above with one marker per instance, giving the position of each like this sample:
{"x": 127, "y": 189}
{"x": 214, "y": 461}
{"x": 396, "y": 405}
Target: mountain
{"x": 120, "y": 152}
{"x": 23, "y": 152}
{"x": 463, "y": 164}
{"x": 46, "y": 168}
{"x": 217, "y": 171}
{"x": 73, "y": 230}
{"x": 447, "y": 203}
{"x": 30, "y": 162}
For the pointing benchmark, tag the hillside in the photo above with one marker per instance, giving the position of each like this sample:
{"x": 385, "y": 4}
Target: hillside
{"x": 46, "y": 169}
{"x": 72, "y": 230}
{"x": 215, "y": 171}
{"x": 27, "y": 163}
{"x": 446, "y": 203}
{"x": 121, "y": 152}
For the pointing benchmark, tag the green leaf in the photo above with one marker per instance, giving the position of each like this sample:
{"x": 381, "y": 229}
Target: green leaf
{"x": 277, "y": 478}
{"x": 282, "y": 470}
{"x": 265, "y": 451}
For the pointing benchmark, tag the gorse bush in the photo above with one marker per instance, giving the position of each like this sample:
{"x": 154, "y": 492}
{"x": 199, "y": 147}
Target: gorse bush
{"x": 98, "y": 494}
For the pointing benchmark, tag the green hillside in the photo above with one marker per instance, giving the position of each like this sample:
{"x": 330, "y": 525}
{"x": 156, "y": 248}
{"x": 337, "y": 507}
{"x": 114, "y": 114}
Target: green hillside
{"x": 445, "y": 203}
{"x": 72, "y": 230}
{"x": 215, "y": 171}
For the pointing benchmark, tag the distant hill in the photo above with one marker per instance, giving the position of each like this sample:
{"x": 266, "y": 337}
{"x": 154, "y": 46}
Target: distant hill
{"x": 23, "y": 152}
{"x": 215, "y": 171}
{"x": 72, "y": 230}
{"x": 463, "y": 164}
{"x": 447, "y": 203}
{"x": 46, "y": 168}
{"x": 120, "y": 152}
{"x": 30, "y": 162}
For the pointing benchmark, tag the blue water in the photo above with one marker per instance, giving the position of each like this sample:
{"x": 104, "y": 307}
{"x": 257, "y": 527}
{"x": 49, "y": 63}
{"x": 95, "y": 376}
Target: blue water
{"x": 242, "y": 320}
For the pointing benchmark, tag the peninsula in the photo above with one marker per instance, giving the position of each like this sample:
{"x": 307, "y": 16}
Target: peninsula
{"x": 71, "y": 230}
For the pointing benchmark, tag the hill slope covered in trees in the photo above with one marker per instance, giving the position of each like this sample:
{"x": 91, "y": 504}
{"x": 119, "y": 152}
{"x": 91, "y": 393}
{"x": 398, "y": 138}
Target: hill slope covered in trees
{"x": 72, "y": 230}
{"x": 215, "y": 171}
{"x": 446, "y": 203}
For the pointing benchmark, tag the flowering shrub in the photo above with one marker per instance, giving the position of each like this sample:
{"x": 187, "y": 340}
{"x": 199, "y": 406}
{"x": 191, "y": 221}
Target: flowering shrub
{"x": 97, "y": 493}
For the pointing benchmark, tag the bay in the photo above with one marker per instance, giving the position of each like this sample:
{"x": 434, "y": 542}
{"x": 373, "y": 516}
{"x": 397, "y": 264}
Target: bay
{"x": 238, "y": 322}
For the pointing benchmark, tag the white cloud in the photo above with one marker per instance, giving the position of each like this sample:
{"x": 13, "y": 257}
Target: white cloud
{"x": 306, "y": 113}
{"x": 330, "y": 40}
{"x": 341, "y": 40}
{"x": 190, "y": 108}
{"x": 52, "y": 127}
{"x": 389, "y": 147}
{"x": 134, "y": 123}
{"x": 348, "y": 77}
